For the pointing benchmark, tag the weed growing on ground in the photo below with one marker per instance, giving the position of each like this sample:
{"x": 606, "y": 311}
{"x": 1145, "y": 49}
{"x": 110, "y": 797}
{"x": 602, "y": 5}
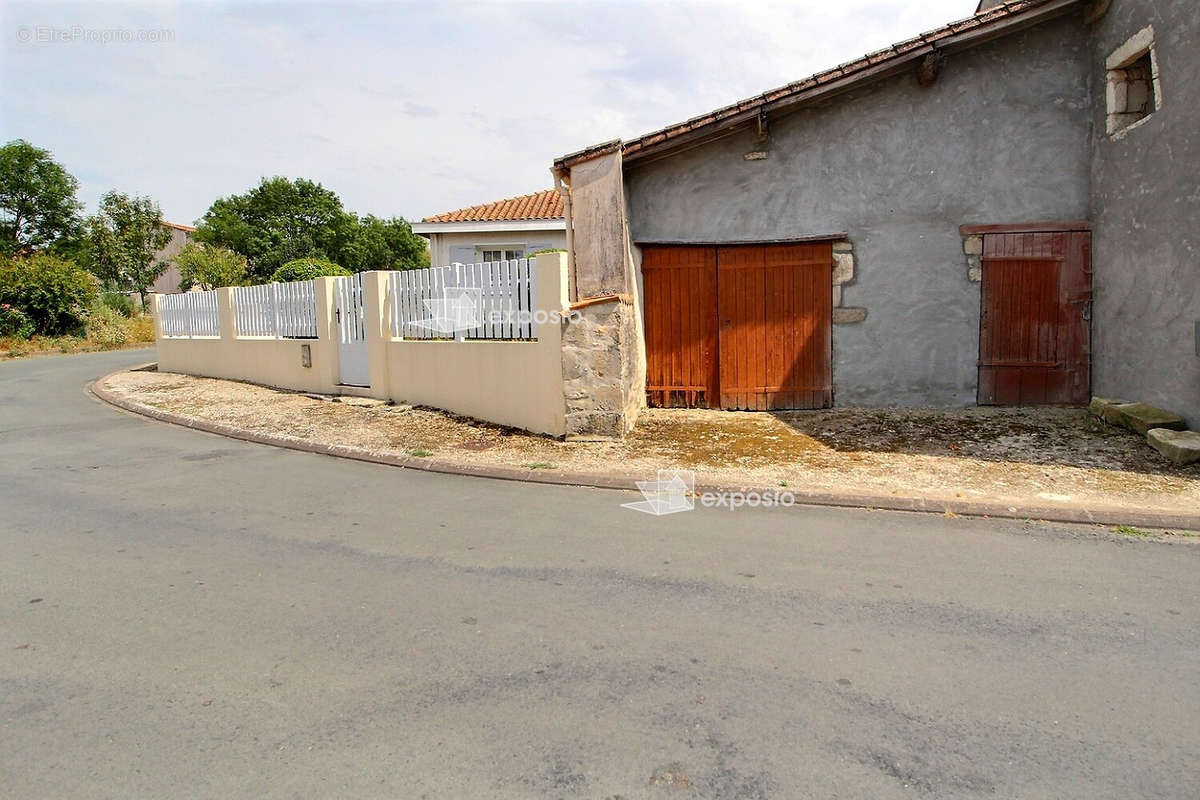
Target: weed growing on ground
{"x": 107, "y": 329}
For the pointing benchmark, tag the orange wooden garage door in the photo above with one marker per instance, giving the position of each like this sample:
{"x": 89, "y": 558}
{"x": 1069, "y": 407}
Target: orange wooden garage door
{"x": 739, "y": 327}
{"x": 1034, "y": 333}
{"x": 680, "y": 288}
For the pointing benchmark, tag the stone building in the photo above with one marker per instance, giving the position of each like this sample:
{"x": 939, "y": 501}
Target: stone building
{"x": 1003, "y": 210}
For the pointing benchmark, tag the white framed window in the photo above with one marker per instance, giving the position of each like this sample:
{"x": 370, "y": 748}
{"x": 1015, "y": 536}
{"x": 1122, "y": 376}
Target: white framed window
{"x": 499, "y": 252}
{"x": 1133, "y": 90}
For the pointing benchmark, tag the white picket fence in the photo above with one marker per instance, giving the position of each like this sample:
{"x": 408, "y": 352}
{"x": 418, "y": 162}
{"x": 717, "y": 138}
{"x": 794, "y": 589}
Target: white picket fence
{"x": 189, "y": 314}
{"x": 504, "y": 291}
{"x": 281, "y": 310}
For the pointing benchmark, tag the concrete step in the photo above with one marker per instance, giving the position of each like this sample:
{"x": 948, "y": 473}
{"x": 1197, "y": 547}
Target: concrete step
{"x": 1137, "y": 417}
{"x": 1182, "y": 447}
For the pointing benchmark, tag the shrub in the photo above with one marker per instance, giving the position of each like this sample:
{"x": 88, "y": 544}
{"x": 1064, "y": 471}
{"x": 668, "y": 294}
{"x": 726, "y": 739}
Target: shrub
{"x": 305, "y": 269}
{"x": 121, "y": 303}
{"x": 141, "y": 328}
{"x": 106, "y": 326}
{"x": 14, "y": 322}
{"x": 54, "y": 294}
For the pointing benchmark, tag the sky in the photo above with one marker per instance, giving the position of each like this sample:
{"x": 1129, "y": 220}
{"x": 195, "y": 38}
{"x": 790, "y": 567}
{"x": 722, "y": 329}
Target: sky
{"x": 403, "y": 109}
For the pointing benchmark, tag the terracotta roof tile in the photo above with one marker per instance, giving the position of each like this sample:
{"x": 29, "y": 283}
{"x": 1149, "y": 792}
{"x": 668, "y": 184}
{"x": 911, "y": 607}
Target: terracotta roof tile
{"x": 179, "y": 226}
{"x": 546, "y": 204}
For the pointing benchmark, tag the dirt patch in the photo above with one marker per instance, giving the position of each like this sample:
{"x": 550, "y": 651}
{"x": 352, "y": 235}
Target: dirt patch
{"x": 1022, "y": 456}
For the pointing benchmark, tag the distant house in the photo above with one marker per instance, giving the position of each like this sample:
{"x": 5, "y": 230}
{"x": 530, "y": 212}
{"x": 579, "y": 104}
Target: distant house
{"x": 168, "y": 282}
{"x": 504, "y": 229}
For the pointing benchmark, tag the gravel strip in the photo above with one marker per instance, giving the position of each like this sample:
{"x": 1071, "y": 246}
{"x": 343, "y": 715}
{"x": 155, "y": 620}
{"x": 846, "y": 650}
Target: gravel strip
{"x": 1039, "y": 457}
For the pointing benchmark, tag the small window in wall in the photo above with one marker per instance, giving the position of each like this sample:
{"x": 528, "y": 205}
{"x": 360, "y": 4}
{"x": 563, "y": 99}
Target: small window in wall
{"x": 506, "y": 252}
{"x": 1133, "y": 91}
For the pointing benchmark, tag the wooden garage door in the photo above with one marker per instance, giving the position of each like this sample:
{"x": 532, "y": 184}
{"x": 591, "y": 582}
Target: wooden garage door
{"x": 680, "y": 288}
{"x": 742, "y": 327}
{"x": 1034, "y": 329}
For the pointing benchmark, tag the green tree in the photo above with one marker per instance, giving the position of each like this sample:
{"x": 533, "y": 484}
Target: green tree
{"x": 124, "y": 240}
{"x": 385, "y": 244}
{"x": 54, "y": 293}
{"x": 278, "y": 221}
{"x": 38, "y": 208}
{"x": 282, "y": 220}
{"x": 305, "y": 269}
{"x": 208, "y": 266}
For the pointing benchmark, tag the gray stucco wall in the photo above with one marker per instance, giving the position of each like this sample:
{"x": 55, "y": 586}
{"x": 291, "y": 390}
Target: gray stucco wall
{"x": 1146, "y": 271}
{"x": 1003, "y": 136}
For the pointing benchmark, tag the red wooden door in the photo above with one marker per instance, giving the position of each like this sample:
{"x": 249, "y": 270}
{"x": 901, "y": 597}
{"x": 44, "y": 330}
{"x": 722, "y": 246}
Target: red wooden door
{"x": 740, "y": 327}
{"x": 1034, "y": 329}
{"x": 680, "y": 291}
{"x": 775, "y": 306}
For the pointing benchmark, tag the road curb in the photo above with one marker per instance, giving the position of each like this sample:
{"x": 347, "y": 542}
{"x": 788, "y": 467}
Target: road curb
{"x": 969, "y": 508}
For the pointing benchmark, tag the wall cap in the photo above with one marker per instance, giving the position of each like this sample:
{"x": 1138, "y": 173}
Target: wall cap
{"x": 604, "y": 298}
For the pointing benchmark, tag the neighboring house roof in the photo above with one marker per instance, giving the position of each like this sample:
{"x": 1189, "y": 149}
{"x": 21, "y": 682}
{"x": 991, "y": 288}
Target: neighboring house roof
{"x": 542, "y": 211}
{"x": 547, "y": 204}
{"x": 178, "y": 226}
{"x": 984, "y": 25}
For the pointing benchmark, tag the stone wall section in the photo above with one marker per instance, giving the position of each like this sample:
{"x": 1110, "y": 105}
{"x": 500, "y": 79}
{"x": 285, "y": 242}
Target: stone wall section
{"x": 598, "y": 358}
{"x": 843, "y": 273}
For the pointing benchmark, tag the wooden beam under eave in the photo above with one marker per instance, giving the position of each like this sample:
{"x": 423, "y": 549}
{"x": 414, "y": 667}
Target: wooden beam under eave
{"x": 1025, "y": 227}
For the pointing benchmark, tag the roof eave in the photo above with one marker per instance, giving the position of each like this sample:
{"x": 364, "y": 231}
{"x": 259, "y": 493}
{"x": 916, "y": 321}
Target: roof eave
{"x": 970, "y": 33}
{"x": 488, "y": 226}
{"x": 587, "y": 154}
{"x": 959, "y": 35}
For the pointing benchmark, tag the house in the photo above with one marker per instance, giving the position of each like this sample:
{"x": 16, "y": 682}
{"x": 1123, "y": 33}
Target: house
{"x": 498, "y": 231}
{"x": 999, "y": 211}
{"x": 168, "y": 282}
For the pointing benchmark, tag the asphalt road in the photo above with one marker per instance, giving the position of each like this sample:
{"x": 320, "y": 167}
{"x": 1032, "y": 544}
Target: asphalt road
{"x": 183, "y": 615}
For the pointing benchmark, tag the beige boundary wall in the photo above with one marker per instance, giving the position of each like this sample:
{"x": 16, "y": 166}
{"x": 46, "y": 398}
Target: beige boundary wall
{"x": 505, "y": 382}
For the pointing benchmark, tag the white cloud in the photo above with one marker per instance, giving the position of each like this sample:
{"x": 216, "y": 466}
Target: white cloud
{"x": 401, "y": 109}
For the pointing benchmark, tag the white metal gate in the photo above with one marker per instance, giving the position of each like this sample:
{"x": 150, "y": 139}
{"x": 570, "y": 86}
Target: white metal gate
{"x": 352, "y": 332}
